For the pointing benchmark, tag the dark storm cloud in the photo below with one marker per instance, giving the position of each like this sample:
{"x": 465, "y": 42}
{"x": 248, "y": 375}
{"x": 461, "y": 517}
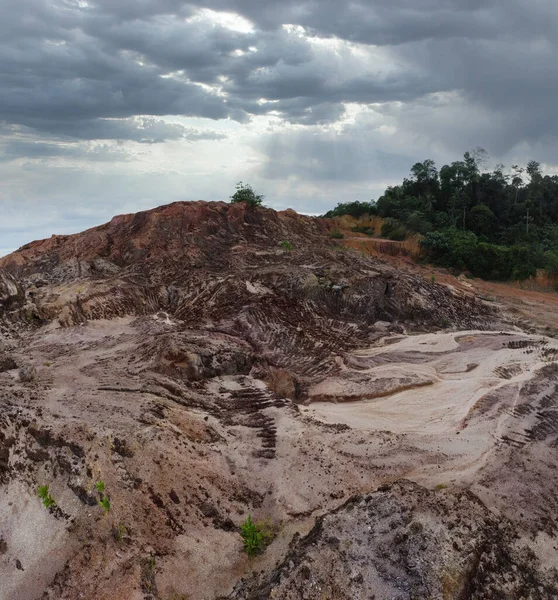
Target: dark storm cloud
{"x": 76, "y": 61}
{"x": 101, "y": 69}
{"x": 392, "y": 22}
{"x": 13, "y": 149}
{"x": 145, "y": 130}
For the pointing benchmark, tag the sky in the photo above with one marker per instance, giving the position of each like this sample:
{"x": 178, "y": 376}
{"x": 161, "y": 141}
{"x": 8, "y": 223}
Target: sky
{"x": 114, "y": 106}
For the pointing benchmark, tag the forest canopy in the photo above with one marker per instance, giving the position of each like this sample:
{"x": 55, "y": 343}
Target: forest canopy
{"x": 498, "y": 224}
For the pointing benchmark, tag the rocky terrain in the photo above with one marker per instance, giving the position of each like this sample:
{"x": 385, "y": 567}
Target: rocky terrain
{"x": 397, "y": 431}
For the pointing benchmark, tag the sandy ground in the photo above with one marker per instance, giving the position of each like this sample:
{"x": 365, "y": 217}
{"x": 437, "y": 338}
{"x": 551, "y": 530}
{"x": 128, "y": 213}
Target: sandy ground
{"x": 463, "y": 367}
{"x": 185, "y": 465}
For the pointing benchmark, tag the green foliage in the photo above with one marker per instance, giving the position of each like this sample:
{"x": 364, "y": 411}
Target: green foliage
{"x": 392, "y": 229}
{"x": 104, "y": 503}
{"x": 256, "y": 536}
{"x": 286, "y": 245}
{"x": 100, "y": 485}
{"x": 499, "y": 224}
{"x": 245, "y": 193}
{"x": 336, "y": 234}
{"x": 481, "y": 220}
{"x": 551, "y": 262}
{"x": 417, "y": 221}
{"x": 354, "y": 209}
{"x": 459, "y": 249}
{"x": 44, "y": 495}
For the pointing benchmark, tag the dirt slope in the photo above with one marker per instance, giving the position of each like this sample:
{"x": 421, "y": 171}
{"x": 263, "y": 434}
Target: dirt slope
{"x": 203, "y": 371}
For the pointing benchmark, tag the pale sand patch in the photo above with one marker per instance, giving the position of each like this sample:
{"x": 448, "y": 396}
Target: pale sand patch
{"x": 37, "y": 542}
{"x": 456, "y": 387}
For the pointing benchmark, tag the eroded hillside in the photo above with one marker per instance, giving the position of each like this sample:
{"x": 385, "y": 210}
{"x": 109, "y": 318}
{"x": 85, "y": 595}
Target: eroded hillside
{"x": 203, "y": 370}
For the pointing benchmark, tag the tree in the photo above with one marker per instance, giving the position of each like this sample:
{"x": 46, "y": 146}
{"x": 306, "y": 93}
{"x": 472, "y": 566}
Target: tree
{"x": 245, "y": 193}
{"x": 517, "y": 180}
{"x": 454, "y": 179}
{"x": 481, "y": 220}
{"x": 497, "y": 224}
{"x": 534, "y": 171}
{"x": 425, "y": 176}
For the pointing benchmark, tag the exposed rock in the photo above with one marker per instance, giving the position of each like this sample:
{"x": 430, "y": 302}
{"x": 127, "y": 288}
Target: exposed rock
{"x": 7, "y": 363}
{"x": 204, "y": 261}
{"x": 11, "y": 294}
{"x": 27, "y": 374}
{"x": 407, "y": 542}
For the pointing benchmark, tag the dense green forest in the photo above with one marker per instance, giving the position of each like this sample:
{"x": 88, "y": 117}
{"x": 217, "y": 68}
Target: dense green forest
{"x": 499, "y": 224}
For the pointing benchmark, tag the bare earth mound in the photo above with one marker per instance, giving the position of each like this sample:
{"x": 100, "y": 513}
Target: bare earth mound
{"x": 400, "y": 436}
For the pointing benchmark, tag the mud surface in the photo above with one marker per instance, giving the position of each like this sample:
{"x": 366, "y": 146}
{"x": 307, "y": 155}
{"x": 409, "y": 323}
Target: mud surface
{"x": 399, "y": 435}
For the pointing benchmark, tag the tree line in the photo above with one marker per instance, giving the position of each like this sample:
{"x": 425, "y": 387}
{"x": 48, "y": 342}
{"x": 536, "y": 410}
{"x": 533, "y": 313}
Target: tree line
{"x": 497, "y": 224}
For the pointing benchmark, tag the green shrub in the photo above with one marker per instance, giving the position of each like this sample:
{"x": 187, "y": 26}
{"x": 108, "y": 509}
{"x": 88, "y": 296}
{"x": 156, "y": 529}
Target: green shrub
{"x": 286, "y": 245}
{"x": 550, "y": 261}
{"x": 417, "y": 221}
{"x": 336, "y": 235}
{"x": 461, "y": 249}
{"x": 354, "y": 209}
{"x": 44, "y": 495}
{"x": 392, "y": 229}
{"x": 245, "y": 193}
{"x": 256, "y": 536}
{"x": 104, "y": 503}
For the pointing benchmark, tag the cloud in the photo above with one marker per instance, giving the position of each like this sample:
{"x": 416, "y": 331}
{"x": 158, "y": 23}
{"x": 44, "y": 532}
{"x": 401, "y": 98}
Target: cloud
{"x": 76, "y": 68}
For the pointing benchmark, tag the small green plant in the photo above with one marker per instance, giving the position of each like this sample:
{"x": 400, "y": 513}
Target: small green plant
{"x": 256, "y": 536}
{"x": 45, "y": 496}
{"x": 286, "y": 245}
{"x": 47, "y": 363}
{"x": 433, "y": 279}
{"x": 152, "y": 563}
{"x": 104, "y": 503}
{"x": 441, "y": 486}
{"x": 336, "y": 235}
{"x": 252, "y": 536}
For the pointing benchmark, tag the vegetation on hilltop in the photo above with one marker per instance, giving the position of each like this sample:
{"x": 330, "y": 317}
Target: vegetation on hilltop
{"x": 354, "y": 209}
{"x": 245, "y": 193}
{"x": 498, "y": 224}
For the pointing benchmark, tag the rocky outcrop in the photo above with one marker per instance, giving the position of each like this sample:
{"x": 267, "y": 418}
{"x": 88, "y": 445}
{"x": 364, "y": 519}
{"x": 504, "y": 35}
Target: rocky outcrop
{"x": 406, "y": 542}
{"x": 177, "y": 237}
{"x": 11, "y": 294}
{"x": 209, "y": 262}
